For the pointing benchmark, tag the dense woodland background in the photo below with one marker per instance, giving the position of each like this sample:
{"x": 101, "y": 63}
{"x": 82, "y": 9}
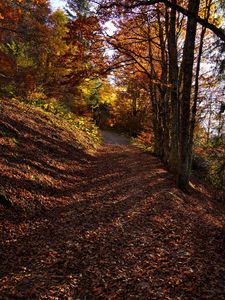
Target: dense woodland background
{"x": 151, "y": 69}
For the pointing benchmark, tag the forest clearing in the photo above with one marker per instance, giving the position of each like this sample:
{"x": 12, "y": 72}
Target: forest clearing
{"x": 112, "y": 149}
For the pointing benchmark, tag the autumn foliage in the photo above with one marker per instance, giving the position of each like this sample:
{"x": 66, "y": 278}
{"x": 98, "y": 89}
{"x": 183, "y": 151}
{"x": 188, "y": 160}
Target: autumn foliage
{"x": 112, "y": 151}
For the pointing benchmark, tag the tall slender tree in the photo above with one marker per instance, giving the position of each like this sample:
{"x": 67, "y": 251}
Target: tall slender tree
{"x": 168, "y": 61}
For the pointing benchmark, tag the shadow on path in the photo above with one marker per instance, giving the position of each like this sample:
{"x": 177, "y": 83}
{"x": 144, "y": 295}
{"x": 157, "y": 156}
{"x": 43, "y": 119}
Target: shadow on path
{"x": 109, "y": 226}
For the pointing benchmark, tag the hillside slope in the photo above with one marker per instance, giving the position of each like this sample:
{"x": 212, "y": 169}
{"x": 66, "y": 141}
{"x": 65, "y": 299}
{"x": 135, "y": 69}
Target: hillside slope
{"x": 38, "y": 152}
{"x": 109, "y": 225}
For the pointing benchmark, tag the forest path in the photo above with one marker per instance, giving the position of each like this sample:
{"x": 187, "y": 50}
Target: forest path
{"x": 113, "y": 138}
{"x": 108, "y": 226}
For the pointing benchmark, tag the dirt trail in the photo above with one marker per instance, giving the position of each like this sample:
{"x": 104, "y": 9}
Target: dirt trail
{"x": 109, "y": 226}
{"x": 112, "y": 138}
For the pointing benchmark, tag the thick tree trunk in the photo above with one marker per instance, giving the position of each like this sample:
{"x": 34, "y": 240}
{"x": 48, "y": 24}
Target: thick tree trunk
{"x": 195, "y": 99}
{"x": 173, "y": 80}
{"x": 188, "y": 61}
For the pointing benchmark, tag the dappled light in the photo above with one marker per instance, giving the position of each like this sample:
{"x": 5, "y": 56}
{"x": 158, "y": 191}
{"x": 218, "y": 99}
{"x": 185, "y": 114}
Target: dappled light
{"x": 112, "y": 225}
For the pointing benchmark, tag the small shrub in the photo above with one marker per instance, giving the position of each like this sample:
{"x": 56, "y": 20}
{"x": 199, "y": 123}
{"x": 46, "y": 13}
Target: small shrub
{"x": 145, "y": 141}
{"x": 87, "y": 125}
{"x": 200, "y": 165}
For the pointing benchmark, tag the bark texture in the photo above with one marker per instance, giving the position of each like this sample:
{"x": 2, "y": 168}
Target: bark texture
{"x": 188, "y": 62}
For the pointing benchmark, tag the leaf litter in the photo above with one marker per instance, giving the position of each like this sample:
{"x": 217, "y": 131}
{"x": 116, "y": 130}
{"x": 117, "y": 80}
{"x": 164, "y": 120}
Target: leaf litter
{"x": 111, "y": 225}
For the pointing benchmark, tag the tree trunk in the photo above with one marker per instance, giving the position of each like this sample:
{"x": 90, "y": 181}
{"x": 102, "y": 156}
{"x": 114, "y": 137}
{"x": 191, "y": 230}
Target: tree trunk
{"x": 196, "y": 88}
{"x": 163, "y": 94}
{"x": 156, "y": 125}
{"x": 155, "y": 101}
{"x": 188, "y": 61}
{"x": 173, "y": 80}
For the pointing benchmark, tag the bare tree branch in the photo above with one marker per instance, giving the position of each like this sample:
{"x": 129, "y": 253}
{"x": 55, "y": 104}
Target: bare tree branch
{"x": 204, "y": 22}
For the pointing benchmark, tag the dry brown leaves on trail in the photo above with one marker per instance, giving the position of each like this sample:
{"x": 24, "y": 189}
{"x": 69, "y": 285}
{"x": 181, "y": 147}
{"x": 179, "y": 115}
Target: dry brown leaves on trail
{"x": 108, "y": 226}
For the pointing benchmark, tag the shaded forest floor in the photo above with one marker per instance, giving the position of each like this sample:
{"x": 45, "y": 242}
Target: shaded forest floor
{"x": 111, "y": 225}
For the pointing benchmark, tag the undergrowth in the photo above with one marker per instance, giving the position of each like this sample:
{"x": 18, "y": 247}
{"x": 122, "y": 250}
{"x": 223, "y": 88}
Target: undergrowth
{"x": 64, "y": 117}
{"x": 208, "y": 159}
{"x": 213, "y": 152}
{"x": 144, "y": 141}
